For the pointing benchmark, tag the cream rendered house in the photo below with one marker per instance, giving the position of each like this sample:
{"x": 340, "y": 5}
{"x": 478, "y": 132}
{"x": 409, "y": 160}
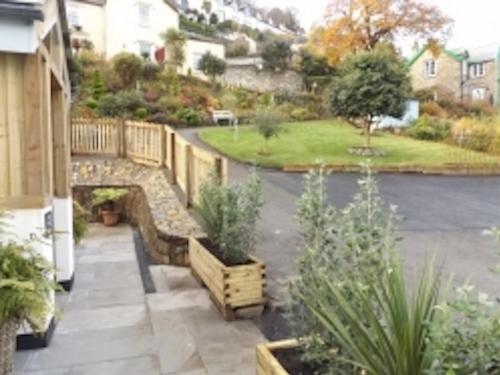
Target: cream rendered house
{"x": 115, "y": 26}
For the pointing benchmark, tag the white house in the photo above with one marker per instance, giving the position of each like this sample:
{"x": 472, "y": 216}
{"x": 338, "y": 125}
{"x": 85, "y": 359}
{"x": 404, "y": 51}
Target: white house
{"x": 115, "y": 26}
{"x": 196, "y": 47}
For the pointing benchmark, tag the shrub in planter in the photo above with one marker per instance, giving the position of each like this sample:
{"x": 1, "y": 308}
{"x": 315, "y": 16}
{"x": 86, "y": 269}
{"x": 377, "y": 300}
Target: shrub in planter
{"x": 26, "y": 285}
{"x": 223, "y": 261}
{"x": 105, "y": 200}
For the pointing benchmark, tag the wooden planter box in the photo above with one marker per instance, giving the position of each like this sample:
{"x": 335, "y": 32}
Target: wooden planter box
{"x": 267, "y": 363}
{"x": 231, "y": 288}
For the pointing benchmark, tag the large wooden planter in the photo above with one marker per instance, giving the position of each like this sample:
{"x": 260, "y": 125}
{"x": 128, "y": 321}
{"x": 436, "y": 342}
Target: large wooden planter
{"x": 232, "y": 289}
{"x": 267, "y": 363}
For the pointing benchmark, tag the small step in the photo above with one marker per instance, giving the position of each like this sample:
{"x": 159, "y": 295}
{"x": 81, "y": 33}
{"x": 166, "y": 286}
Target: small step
{"x": 172, "y": 278}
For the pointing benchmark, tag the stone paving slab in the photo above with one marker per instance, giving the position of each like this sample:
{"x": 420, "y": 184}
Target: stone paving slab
{"x": 110, "y": 327}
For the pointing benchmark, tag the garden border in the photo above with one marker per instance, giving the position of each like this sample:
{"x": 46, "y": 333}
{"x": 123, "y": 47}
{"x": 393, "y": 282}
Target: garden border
{"x": 446, "y": 170}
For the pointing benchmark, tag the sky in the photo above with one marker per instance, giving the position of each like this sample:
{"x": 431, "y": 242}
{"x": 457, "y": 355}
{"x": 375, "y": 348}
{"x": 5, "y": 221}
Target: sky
{"x": 477, "y": 22}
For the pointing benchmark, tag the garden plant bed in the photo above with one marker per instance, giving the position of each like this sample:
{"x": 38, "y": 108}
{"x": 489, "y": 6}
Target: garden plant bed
{"x": 281, "y": 358}
{"x": 236, "y": 290}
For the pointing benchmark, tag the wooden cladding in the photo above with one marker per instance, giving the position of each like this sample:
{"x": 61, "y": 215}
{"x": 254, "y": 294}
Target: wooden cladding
{"x": 34, "y": 142}
{"x": 149, "y": 144}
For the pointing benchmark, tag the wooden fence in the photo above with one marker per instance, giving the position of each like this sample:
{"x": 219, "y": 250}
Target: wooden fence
{"x": 152, "y": 145}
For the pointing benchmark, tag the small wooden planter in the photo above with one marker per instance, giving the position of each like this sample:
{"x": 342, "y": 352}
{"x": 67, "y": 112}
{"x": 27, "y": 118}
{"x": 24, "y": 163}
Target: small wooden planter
{"x": 231, "y": 288}
{"x": 267, "y": 363}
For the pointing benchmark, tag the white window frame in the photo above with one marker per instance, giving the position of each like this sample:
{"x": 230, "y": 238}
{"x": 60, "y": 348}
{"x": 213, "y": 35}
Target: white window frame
{"x": 73, "y": 16}
{"x": 146, "y": 44}
{"x": 144, "y": 14}
{"x": 478, "y": 90}
{"x": 431, "y": 68}
{"x": 477, "y": 69}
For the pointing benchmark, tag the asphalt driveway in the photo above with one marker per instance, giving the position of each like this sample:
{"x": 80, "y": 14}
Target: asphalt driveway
{"x": 443, "y": 216}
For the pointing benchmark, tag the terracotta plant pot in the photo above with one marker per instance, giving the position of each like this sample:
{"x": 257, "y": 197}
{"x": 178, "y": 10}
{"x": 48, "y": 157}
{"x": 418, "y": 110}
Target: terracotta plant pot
{"x": 110, "y": 218}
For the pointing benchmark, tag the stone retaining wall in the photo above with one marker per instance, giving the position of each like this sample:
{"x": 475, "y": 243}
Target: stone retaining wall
{"x": 151, "y": 204}
{"x": 251, "y": 78}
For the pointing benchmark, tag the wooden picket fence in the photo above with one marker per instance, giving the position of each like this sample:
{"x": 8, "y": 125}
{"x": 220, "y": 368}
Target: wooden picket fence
{"x": 149, "y": 144}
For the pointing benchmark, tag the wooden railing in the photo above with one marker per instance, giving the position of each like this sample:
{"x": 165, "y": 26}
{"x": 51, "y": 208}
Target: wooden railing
{"x": 153, "y": 145}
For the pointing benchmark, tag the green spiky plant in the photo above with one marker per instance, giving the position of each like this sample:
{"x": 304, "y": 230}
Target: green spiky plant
{"x": 26, "y": 282}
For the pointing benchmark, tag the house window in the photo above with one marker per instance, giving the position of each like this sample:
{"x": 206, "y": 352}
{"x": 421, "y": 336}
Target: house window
{"x": 477, "y": 70}
{"x": 196, "y": 61}
{"x": 430, "y": 68}
{"x": 144, "y": 11}
{"x": 145, "y": 49}
{"x": 73, "y": 17}
{"x": 478, "y": 94}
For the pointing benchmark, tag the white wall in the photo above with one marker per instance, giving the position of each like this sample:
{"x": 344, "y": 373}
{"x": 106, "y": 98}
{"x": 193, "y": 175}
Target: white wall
{"x": 124, "y": 32}
{"x": 91, "y": 19}
{"x": 195, "y": 49}
{"x": 64, "y": 241}
{"x": 17, "y": 36}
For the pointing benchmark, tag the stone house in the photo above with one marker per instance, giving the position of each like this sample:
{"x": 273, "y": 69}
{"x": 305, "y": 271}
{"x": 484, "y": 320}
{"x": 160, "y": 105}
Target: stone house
{"x": 468, "y": 75}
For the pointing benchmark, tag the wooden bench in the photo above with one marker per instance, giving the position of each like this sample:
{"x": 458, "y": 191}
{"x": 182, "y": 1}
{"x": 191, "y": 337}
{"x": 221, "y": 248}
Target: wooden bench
{"x": 224, "y": 115}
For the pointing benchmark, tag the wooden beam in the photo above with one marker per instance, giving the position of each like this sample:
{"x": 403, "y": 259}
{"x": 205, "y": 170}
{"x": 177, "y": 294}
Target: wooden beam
{"x": 23, "y": 202}
{"x": 33, "y": 141}
{"x": 61, "y": 142}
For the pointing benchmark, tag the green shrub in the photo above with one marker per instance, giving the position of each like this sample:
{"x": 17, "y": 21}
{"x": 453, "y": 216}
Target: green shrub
{"x": 170, "y": 103}
{"x": 303, "y": 114}
{"x": 120, "y": 104}
{"x": 141, "y": 113}
{"x": 150, "y": 71}
{"x": 430, "y": 129}
{"x": 26, "y": 283}
{"x": 80, "y": 225}
{"x": 267, "y": 121}
{"x": 229, "y": 214}
{"x": 127, "y": 67}
{"x": 189, "y": 116}
{"x": 348, "y": 244}
{"x": 91, "y": 103}
{"x": 98, "y": 87}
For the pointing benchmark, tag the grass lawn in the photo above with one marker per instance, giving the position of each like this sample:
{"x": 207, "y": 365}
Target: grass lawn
{"x": 328, "y": 141}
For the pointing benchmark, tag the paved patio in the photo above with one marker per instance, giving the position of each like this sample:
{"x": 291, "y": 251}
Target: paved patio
{"x": 110, "y": 326}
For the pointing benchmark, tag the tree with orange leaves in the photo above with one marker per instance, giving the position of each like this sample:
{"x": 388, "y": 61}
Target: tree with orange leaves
{"x": 355, "y": 25}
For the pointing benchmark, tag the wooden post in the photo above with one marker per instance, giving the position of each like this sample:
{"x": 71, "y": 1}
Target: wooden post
{"x": 221, "y": 168}
{"x": 173, "y": 173}
{"x": 163, "y": 146}
{"x": 189, "y": 182}
{"x": 122, "y": 139}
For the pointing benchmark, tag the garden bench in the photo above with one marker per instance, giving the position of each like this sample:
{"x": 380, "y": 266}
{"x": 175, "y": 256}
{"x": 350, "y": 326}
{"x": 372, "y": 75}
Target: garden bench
{"x": 224, "y": 115}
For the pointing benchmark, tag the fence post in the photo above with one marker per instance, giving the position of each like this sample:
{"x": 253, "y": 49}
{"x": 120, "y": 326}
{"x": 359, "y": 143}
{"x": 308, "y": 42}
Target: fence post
{"x": 163, "y": 145}
{"x": 221, "y": 168}
{"x": 189, "y": 182}
{"x": 122, "y": 139}
{"x": 173, "y": 173}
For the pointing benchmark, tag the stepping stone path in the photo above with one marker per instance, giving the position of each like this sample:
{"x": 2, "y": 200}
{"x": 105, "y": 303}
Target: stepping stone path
{"x": 110, "y": 326}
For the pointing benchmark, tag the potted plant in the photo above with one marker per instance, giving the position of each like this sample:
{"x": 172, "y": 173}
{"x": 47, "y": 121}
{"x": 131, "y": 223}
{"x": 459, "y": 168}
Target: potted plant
{"x": 105, "y": 200}
{"x": 223, "y": 261}
{"x": 26, "y": 284}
